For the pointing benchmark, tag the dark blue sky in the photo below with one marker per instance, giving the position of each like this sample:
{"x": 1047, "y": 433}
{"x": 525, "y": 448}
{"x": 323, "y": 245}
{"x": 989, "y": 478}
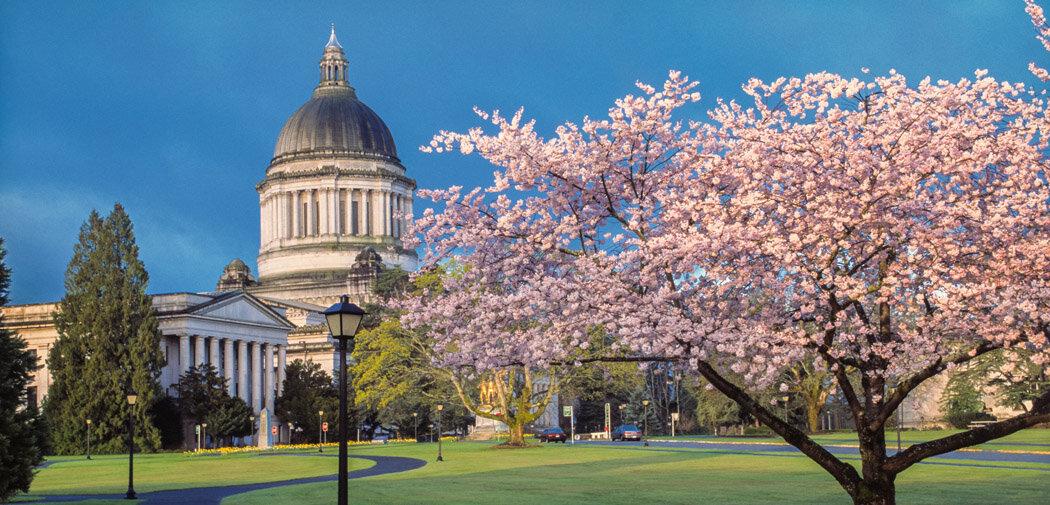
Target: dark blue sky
{"x": 172, "y": 108}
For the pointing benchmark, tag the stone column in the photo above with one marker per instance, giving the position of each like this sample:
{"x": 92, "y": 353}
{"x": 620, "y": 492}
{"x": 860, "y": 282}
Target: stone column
{"x": 337, "y": 212}
{"x": 296, "y": 206}
{"x": 268, "y": 370}
{"x": 184, "y": 353}
{"x": 322, "y": 210}
{"x": 311, "y": 213}
{"x": 377, "y": 214}
{"x": 282, "y": 362}
{"x": 198, "y": 350}
{"x": 215, "y": 358}
{"x": 384, "y": 202}
{"x": 227, "y": 366}
{"x": 256, "y": 378}
{"x": 262, "y": 221}
{"x": 242, "y": 370}
{"x": 283, "y": 212}
{"x": 397, "y": 215}
{"x": 362, "y": 229}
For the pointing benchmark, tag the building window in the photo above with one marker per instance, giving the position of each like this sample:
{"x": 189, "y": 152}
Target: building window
{"x": 315, "y": 217}
{"x": 342, "y": 212}
{"x": 354, "y": 222}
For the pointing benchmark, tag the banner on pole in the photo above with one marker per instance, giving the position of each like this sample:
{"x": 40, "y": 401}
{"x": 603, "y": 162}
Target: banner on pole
{"x": 608, "y": 417}
{"x": 567, "y": 411}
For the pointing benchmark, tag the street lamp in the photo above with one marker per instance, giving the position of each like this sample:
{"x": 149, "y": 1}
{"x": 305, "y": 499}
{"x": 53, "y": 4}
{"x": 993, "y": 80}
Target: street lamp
{"x": 252, "y": 436}
{"x": 415, "y": 425}
{"x": 623, "y": 407}
{"x": 320, "y": 421}
{"x": 645, "y": 422}
{"x": 439, "y": 408}
{"x": 343, "y": 320}
{"x": 88, "y": 438}
{"x": 132, "y": 400}
{"x": 204, "y": 435}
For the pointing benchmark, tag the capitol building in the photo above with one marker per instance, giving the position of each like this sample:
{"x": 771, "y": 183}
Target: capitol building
{"x": 334, "y": 202}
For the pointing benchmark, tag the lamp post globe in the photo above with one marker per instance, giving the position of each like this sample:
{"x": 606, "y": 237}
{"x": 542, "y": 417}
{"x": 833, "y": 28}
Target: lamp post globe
{"x": 343, "y": 318}
{"x": 132, "y": 399}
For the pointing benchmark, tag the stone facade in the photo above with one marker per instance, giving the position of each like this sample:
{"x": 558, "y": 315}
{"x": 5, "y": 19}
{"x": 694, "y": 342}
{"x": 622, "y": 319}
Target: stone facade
{"x": 242, "y": 336}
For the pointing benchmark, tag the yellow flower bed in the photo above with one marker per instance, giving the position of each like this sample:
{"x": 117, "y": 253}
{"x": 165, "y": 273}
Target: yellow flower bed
{"x": 252, "y": 448}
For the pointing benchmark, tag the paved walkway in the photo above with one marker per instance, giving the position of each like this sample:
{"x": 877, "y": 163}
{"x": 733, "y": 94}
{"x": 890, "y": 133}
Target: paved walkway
{"x": 214, "y": 495}
{"x": 960, "y": 458}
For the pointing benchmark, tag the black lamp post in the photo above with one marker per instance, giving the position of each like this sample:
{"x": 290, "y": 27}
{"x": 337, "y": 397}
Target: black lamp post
{"x": 251, "y": 438}
{"x": 132, "y": 400}
{"x": 623, "y": 406}
{"x": 320, "y": 422}
{"x": 89, "y": 439}
{"x": 343, "y": 319}
{"x": 415, "y": 425}
{"x": 645, "y": 422}
{"x": 439, "y": 408}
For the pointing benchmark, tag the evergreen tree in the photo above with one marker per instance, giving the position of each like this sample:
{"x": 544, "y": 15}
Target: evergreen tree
{"x": 231, "y": 418}
{"x": 201, "y": 391}
{"x": 308, "y": 390}
{"x": 21, "y": 444}
{"x": 961, "y": 402}
{"x": 108, "y": 342}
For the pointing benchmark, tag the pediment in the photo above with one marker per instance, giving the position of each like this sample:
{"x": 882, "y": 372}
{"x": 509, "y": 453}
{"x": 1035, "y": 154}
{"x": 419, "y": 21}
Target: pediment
{"x": 244, "y": 309}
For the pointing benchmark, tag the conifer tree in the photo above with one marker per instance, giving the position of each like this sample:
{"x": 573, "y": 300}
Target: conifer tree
{"x": 108, "y": 342}
{"x": 20, "y": 441}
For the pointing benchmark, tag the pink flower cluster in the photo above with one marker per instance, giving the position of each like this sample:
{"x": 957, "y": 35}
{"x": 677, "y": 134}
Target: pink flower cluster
{"x": 868, "y": 224}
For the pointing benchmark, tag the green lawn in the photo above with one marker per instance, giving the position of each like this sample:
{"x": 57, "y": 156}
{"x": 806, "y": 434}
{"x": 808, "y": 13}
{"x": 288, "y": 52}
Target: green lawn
{"x": 1020, "y": 441}
{"x": 109, "y": 474}
{"x": 564, "y": 474}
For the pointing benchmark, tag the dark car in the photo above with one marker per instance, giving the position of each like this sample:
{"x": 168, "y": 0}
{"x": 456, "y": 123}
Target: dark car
{"x": 552, "y": 435}
{"x": 626, "y": 432}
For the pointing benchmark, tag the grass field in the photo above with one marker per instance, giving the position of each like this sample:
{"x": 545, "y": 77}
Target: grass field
{"x": 153, "y": 472}
{"x": 564, "y": 474}
{"x": 1024, "y": 440}
{"x": 551, "y": 474}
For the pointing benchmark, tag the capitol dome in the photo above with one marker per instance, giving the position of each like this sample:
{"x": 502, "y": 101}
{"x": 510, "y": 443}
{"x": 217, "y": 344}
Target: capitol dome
{"x": 334, "y": 122}
{"x": 335, "y": 201}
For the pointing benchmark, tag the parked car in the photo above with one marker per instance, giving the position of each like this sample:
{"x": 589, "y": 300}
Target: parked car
{"x": 626, "y": 432}
{"x": 553, "y": 435}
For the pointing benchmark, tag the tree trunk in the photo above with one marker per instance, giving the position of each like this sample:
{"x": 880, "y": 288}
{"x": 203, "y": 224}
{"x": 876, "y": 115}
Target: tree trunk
{"x": 883, "y": 493}
{"x": 877, "y": 486}
{"x": 813, "y": 417}
{"x": 517, "y": 435}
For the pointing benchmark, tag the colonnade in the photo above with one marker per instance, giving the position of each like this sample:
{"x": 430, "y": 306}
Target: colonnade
{"x": 263, "y": 376}
{"x": 333, "y": 211}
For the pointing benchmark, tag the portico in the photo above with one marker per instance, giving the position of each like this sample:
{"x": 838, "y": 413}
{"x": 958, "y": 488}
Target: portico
{"x": 242, "y": 337}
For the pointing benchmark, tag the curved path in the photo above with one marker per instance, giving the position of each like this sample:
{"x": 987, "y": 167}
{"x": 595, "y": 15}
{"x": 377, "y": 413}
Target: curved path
{"x": 214, "y": 495}
{"x": 961, "y": 458}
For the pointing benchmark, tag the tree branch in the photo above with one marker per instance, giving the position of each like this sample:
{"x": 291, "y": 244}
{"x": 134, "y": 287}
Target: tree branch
{"x": 844, "y": 473}
{"x": 1040, "y": 413}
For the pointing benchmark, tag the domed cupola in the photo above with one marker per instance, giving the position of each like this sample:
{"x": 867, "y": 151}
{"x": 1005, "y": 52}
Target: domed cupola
{"x": 334, "y": 192}
{"x": 334, "y": 122}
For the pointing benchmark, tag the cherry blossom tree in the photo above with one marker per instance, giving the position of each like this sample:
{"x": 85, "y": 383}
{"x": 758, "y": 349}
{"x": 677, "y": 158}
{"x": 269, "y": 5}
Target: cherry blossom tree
{"x": 876, "y": 229}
